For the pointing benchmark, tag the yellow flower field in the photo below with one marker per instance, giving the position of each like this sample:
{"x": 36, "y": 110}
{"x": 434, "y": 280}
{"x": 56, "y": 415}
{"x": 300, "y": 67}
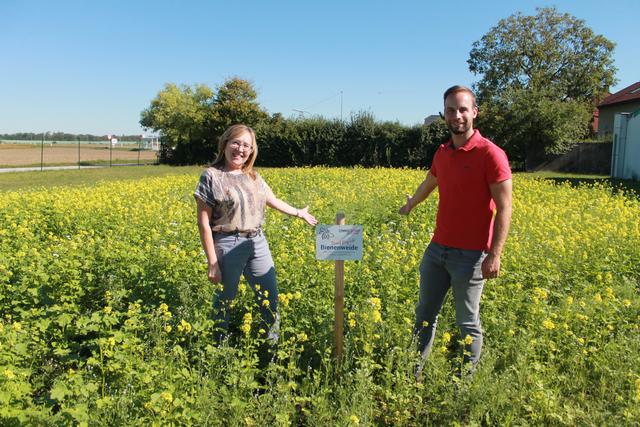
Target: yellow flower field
{"x": 105, "y": 311}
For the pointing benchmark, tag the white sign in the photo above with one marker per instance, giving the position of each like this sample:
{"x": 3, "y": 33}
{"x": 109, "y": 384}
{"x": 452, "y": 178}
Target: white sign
{"x": 339, "y": 242}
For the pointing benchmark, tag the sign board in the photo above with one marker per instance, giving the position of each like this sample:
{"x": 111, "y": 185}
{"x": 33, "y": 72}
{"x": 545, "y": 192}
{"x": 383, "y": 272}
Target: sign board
{"x": 339, "y": 242}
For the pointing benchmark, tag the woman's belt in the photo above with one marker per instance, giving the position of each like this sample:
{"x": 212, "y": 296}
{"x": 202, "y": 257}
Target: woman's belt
{"x": 247, "y": 233}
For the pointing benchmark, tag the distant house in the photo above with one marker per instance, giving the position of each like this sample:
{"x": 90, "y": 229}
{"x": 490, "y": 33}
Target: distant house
{"x": 596, "y": 114}
{"x": 432, "y": 118}
{"x": 625, "y": 101}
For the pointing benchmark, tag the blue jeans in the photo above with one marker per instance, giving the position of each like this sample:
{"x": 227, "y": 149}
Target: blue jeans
{"x": 238, "y": 255}
{"x": 443, "y": 267}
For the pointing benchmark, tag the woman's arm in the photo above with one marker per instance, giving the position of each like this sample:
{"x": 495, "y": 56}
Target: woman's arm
{"x": 284, "y": 207}
{"x": 206, "y": 238}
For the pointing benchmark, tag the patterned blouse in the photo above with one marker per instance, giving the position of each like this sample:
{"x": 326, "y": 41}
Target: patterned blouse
{"x": 238, "y": 201}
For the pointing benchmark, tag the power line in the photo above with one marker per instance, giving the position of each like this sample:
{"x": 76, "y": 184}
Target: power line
{"x": 323, "y": 100}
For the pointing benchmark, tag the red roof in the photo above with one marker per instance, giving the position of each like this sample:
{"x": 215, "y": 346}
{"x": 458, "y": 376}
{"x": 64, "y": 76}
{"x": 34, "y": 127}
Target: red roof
{"x": 630, "y": 93}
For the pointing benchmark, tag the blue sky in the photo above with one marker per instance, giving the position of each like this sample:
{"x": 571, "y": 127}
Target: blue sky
{"x": 92, "y": 67}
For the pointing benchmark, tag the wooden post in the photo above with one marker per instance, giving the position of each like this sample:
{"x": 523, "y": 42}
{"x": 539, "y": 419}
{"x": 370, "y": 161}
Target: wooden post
{"x": 339, "y": 300}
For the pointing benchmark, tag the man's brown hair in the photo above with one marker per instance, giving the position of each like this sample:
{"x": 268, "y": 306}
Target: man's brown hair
{"x": 458, "y": 88}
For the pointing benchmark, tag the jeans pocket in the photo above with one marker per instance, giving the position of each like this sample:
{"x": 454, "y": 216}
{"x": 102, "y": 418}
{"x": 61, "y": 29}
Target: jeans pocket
{"x": 470, "y": 255}
{"x": 223, "y": 243}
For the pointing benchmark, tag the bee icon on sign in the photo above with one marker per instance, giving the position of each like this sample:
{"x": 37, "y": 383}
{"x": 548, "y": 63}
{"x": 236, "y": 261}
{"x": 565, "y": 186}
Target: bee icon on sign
{"x": 326, "y": 234}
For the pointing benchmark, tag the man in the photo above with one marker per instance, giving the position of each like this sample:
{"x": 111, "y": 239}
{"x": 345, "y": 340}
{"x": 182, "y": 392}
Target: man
{"x": 473, "y": 179}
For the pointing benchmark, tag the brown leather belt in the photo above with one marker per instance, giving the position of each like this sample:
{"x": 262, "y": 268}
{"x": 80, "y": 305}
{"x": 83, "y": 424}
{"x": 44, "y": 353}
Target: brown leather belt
{"x": 248, "y": 234}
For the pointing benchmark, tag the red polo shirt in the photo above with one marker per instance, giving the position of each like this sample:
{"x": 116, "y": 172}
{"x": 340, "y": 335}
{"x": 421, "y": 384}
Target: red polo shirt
{"x": 465, "y": 207}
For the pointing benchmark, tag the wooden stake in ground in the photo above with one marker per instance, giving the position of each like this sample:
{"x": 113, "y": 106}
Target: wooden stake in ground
{"x": 339, "y": 300}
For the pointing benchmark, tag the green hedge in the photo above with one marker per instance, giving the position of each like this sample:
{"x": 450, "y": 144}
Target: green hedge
{"x": 361, "y": 140}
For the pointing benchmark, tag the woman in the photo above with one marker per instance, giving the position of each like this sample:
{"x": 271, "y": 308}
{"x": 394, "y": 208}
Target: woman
{"x": 231, "y": 200}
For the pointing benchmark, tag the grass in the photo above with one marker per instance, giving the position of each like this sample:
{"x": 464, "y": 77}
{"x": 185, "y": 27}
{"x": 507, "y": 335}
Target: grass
{"x": 625, "y": 185}
{"x": 114, "y": 162}
{"x": 554, "y": 175}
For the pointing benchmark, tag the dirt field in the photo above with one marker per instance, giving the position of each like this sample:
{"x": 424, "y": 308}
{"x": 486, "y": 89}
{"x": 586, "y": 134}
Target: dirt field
{"x": 58, "y": 154}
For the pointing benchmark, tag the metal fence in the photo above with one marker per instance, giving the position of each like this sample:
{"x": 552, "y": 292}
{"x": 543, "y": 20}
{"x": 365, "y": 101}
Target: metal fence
{"x": 47, "y": 153}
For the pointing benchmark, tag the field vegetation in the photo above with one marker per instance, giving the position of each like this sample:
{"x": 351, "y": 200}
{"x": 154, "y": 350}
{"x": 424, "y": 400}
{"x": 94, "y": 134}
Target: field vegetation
{"x": 105, "y": 311}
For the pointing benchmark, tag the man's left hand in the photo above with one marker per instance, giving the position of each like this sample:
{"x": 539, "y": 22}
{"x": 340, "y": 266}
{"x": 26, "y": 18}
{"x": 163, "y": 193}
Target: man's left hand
{"x": 491, "y": 266}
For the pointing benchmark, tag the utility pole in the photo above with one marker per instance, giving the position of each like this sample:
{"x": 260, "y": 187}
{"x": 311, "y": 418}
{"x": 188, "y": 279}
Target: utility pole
{"x": 301, "y": 113}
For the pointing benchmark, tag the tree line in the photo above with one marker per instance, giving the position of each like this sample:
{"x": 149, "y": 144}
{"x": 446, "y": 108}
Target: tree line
{"x": 540, "y": 78}
{"x": 190, "y": 119}
{"x": 63, "y": 136}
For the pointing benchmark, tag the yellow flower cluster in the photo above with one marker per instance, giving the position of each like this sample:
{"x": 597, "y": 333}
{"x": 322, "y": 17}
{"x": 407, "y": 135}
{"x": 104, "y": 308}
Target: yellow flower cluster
{"x": 184, "y": 326}
{"x": 287, "y": 297}
{"x": 376, "y": 306}
{"x": 542, "y": 294}
{"x": 351, "y": 319}
{"x": 246, "y": 324}
{"x": 548, "y": 324}
{"x": 164, "y": 311}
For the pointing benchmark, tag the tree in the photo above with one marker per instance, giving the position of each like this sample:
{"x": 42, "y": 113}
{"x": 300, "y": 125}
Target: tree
{"x": 529, "y": 126}
{"x": 236, "y": 102}
{"x": 179, "y": 113}
{"x": 191, "y": 118}
{"x": 536, "y": 71}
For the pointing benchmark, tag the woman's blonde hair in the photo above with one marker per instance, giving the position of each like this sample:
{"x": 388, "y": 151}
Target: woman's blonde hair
{"x": 233, "y": 132}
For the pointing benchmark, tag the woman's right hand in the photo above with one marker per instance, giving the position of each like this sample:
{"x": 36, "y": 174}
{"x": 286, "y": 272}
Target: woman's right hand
{"x": 214, "y": 274}
{"x": 304, "y": 214}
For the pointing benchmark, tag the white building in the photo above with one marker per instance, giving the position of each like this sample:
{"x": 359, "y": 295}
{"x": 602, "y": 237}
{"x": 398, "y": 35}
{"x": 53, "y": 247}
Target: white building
{"x": 625, "y": 156}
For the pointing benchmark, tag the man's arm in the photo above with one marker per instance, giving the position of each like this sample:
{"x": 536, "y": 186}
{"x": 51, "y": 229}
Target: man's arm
{"x": 422, "y": 192}
{"x": 501, "y": 193}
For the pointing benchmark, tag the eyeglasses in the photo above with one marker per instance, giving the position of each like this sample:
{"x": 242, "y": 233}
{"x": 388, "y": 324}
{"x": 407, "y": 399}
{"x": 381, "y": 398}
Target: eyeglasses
{"x": 238, "y": 144}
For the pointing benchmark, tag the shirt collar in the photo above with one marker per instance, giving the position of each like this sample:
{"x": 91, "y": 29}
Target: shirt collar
{"x": 471, "y": 142}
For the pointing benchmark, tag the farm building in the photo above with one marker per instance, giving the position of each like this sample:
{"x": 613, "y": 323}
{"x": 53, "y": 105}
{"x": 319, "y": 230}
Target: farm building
{"x": 625, "y": 101}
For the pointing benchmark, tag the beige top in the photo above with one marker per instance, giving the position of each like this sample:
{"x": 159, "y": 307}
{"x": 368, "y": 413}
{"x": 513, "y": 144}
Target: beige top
{"x": 238, "y": 201}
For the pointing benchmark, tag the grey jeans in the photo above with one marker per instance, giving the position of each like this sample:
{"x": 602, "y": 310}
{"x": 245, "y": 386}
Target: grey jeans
{"x": 238, "y": 255}
{"x": 442, "y": 268}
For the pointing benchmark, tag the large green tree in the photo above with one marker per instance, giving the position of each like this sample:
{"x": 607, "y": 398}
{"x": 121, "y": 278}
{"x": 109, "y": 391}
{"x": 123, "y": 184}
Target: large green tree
{"x": 191, "y": 118}
{"x": 543, "y": 74}
{"x": 236, "y": 101}
{"x": 179, "y": 113}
